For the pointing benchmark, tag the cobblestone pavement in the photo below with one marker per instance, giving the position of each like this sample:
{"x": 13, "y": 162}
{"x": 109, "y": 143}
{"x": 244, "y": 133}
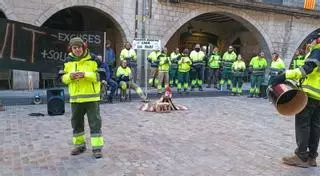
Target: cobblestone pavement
{"x": 217, "y": 136}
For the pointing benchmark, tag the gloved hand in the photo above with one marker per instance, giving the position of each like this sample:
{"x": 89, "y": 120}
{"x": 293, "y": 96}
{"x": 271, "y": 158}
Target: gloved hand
{"x": 124, "y": 78}
{"x": 279, "y": 79}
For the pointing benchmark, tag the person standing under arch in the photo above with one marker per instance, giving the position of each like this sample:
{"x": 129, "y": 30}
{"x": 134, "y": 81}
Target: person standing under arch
{"x": 173, "y": 72}
{"x": 238, "y": 68}
{"x": 227, "y": 60}
{"x": 214, "y": 63}
{"x": 276, "y": 68}
{"x": 197, "y": 57}
{"x": 257, "y": 67}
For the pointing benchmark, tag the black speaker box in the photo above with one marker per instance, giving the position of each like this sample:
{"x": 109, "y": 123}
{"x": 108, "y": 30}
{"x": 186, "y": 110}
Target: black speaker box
{"x": 55, "y": 101}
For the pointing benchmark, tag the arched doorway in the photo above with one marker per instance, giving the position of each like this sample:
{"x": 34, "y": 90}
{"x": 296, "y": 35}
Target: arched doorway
{"x": 79, "y": 18}
{"x": 304, "y": 46}
{"x": 222, "y": 30}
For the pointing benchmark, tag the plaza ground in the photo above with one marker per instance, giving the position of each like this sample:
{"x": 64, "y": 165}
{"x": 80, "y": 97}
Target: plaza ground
{"x": 216, "y": 136}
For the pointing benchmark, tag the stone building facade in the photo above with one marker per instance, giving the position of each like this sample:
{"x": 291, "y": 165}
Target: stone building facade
{"x": 280, "y": 30}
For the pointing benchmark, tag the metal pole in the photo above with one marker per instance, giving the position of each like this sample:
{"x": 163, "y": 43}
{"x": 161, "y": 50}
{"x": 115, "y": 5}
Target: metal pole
{"x": 104, "y": 49}
{"x": 143, "y": 54}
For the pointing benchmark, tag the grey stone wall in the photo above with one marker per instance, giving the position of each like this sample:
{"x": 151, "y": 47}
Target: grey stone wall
{"x": 276, "y": 32}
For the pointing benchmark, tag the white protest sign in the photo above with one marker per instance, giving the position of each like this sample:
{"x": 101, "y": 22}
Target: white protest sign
{"x": 146, "y": 44}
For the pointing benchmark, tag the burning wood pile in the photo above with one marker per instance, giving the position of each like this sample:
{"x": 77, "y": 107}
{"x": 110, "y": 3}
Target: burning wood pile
{"x": 164, "y": 104}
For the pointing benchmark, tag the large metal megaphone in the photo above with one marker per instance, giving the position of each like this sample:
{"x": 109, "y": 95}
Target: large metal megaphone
{"x": 287, "y": 97}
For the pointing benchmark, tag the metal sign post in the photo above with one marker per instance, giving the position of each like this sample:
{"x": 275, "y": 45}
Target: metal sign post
{"x": 145, "y": 45}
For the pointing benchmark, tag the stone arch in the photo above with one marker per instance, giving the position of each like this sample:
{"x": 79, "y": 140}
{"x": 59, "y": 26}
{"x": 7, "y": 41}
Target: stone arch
{"x": 241, "y": 16}
{"x": 303, "y": 37}
{"x": 119, "y": 22}
{"x": 7, "y": 11}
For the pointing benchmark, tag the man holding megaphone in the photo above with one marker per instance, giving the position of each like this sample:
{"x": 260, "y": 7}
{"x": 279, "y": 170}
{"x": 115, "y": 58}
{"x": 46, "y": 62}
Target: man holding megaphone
{"x": 307, "y": 122}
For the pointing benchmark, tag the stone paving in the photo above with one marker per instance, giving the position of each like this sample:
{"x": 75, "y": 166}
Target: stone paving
{"x": 218, "y": 136}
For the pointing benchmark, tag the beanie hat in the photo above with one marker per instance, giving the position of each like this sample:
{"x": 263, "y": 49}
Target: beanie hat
{"x": 76, "y": 41}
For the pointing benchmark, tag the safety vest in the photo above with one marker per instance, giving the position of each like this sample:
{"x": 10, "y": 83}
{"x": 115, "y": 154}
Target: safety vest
{"x": 277, "y": 66}
{"x": 174, "y": 59}
{"x": 164, "y": 63}
{"x": 228, "y": 59}
{"x": 129, "y": 55}
{"x": 153, "y": 58}
{"x": 214, "y": 60}
{"x": 123, "y": 71}
{"x": 238, "y": 68}
{"x": 184, "y": 64}
{"x": 298, "y": 61}
{"x": 197, "y": 58}
{"x": 311, "y": 82}
{"x": 258, "y": 65}
{"x": 85, "y": 89}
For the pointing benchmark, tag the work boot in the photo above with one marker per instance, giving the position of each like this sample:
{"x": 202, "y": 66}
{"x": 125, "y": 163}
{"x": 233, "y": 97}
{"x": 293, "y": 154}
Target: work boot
{"x": 256, "y": 96}
{"x": 179, "y": 91}
{"x": 250, "y": 96}
{"x": 295, "y": 161}
{"x": 233, "y": 94}
{"x": 312, "y": 162}
{"x": 200, "y": 88}
{"x": 208, "y": 86}
{"x": 97, "y": 153}
{"x": 192, "y": 88}
{"x": 78, "y": 150}
{"x": 185, "y": 91}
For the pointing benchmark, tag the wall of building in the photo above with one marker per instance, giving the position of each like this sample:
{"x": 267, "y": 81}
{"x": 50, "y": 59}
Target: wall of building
{"x": 273, "y": 31}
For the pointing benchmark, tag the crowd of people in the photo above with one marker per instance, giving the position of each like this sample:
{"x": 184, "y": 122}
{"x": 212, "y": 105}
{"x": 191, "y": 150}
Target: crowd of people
{"x": 188, "y": 70}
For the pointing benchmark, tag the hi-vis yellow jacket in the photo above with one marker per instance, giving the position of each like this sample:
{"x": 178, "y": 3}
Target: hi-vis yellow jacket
{"x": 85, "y": 89}
{"x": 309, "y": 73}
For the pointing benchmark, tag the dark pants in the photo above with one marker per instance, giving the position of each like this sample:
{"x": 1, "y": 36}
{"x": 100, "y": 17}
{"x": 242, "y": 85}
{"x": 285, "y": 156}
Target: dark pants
{"x": 307, "y": 127}
{"x": 173, "y": 76}
{"x": 111, "y": 69}
{"x": 256, "y": 81}
{"x": 226, "y": 77}
{"x": 183, "y": 80}
{"x": 213, "y": 74}
{"x": 113, "y": 86}
{"x": 92, "y": 110}
{"x": 196, "y": 75}
{"x": 237, "y": 82}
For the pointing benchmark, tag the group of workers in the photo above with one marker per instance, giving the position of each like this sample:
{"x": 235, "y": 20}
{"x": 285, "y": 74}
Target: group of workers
{"x": 186, "y": 70}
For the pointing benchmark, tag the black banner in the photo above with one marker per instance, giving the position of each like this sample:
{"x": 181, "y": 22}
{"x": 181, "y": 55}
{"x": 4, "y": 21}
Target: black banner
{"x": 27, "y": 47}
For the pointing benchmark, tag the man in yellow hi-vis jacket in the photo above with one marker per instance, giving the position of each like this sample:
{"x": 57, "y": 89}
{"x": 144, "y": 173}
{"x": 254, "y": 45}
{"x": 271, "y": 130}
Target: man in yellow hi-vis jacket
{"x": 81, "y": 75}
{"x": 307, "y": 122}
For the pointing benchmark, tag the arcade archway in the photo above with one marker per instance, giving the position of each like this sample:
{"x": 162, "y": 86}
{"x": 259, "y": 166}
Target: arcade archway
{"x": 79, "y": 18}
{"x": 220, "y": 29}
{"x": 304, "y": 46}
